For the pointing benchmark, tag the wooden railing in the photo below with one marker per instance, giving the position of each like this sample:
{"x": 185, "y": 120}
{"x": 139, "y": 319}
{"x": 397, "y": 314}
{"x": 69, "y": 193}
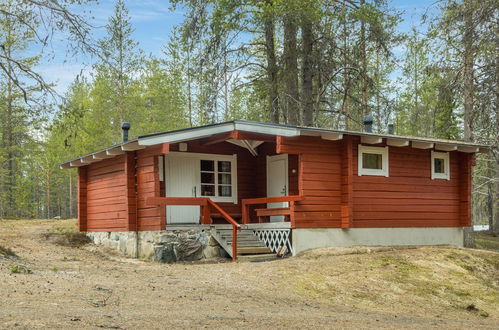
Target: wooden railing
{"x": 264, "y": 200}
{"x": 206, "y": 205}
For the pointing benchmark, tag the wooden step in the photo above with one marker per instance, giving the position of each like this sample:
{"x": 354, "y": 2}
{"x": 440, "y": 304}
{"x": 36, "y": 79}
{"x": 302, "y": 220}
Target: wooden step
{"x": 258, "y": 257}
{"x": 253, "y": 250}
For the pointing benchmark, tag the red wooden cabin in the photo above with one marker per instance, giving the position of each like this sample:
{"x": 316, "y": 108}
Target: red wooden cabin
{"x": 295, "y": 186}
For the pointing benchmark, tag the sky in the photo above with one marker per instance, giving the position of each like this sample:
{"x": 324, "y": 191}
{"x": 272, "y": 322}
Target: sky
{"x": 153, "y": 22}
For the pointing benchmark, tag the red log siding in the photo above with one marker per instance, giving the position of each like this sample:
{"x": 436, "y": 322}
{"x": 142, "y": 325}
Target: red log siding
{"x": 148, "y": 185}
{"x": 82, "y": 198}
{"x": 131, "y": 190}
{"x": 408, "y": 197}
{"x": 335, "y": 196}
{"x": 319, "y": 180}
{"x": 106, "y": 202}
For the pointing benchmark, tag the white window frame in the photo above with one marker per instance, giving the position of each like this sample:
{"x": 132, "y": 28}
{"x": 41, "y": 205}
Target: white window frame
{"x": 215, "y": 157}
{"x": 383, "y": 151}
{"x": 445, "y": 157}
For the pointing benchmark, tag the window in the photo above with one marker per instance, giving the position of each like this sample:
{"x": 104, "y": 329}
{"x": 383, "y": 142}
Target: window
{"x": 440, "y": 168}
{"x": 217, "y": 179}
{"x": 373, "y": 161}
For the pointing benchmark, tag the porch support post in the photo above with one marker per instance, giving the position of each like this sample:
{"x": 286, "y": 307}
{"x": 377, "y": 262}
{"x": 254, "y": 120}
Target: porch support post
{"x": 131, "y": 191}
{"x": 82, "y": 198}
{"x": 347, "y": 183}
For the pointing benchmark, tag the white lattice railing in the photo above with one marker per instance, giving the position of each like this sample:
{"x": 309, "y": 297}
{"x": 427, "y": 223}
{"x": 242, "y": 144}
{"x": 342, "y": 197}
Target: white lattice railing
{"x": 275, "y": 238}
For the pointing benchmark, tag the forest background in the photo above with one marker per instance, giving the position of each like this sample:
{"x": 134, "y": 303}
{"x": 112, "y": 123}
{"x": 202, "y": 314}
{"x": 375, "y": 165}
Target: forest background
{"x": 323, "y": 63}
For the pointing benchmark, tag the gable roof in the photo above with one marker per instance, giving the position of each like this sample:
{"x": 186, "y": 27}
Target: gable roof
{"x": 198, "y": 132}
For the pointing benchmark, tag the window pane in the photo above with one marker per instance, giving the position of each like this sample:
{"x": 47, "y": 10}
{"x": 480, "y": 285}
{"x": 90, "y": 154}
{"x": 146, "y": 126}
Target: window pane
{"x": 207, "y": 177}
{"x": 439, "y": 165}
{"x": 224, "y": 179}
{"x": 224, "y": 191}
{"x": 208, "y": 165}
{"x": 372, "y": 161}
{"x": 224, "y": 166}
{"x": 207, "y": 190}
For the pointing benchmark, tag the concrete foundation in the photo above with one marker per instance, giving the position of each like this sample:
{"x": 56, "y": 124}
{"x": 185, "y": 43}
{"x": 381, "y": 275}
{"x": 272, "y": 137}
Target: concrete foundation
{"x": 308, "y": 238}
{"x": 161, "y": 246}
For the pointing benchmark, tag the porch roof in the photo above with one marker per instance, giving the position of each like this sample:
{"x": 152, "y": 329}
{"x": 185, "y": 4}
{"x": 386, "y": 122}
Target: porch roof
{"x": 199, "y": 132}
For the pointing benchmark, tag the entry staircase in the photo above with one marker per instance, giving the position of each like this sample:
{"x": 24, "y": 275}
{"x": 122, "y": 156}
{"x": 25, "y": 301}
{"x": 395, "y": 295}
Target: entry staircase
{"x": 249, "y": 246}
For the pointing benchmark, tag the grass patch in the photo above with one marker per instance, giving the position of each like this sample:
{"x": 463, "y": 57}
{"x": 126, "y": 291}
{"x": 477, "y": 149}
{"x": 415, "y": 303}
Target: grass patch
{"x": 486, "y": 240}
{"x": 445, "y": 278}
{"x": 67, "y": 236}
{"x": 6, "y": 252}
{"x": 19, "y": 269}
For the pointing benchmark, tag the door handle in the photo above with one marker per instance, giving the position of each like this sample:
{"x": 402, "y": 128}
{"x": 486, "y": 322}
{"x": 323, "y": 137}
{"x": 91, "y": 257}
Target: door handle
{"x": 194, "y": 192}
{"x": 283, "y": 191}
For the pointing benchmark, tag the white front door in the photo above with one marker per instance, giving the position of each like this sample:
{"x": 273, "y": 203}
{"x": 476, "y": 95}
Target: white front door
{"x": 277, "y": 182}
{"x": 181, "y": 181}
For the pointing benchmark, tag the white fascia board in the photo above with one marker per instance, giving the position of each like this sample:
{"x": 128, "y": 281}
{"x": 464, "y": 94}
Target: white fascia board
{"x": 101, "y": 155}
{"x": 371, "y": 139}
{"x": 267, "y": 129}
{"x": 186, "y": 135}
{"x": 132, "y": 146}
{"x": 397, "y": 142}
{"x": 114, "y": 151}
{"x": 445, "y": 147}
{"x": 88, "y": 160}
{"x": 331, "y": 136}
{"x": 469, "y": 149}
{"x": 65, "y": 166}
{"x": 76, "y": 163}
{"x": 422, "y": 145}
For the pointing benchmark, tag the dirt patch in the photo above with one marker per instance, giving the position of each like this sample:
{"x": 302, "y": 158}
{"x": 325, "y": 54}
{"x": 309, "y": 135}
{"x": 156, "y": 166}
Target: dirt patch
{"x": 94, "y": 287}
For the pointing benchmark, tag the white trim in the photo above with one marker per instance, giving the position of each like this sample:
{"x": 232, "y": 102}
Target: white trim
{"x": 422, "y": 145}
{"x": 214, "y": 157}
{"x": 445, "y": 157}
{"x": 371, "y": 139}
{"x": 266, "y": 129}
{"x": 445, "y": 147}
{"x": 383, "y": 151}
{"x": 114, "y": 151}
{"x": 397, "y": 143}
{"x": 132, "y": 146}
{"x": 196, "y": 133}
{"x": 468, "y": 149}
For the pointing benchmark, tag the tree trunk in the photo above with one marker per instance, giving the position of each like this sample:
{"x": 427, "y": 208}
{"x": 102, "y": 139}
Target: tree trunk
{"x": 363, "y": 59}
{"x": 495, "y": 224}
{"x": 272, "y": 69}
{"x": 307, "y": 73}
{"x": 468, "y": 69}
{"x": 291, "y": 70}
{"x": 345, "y": 105}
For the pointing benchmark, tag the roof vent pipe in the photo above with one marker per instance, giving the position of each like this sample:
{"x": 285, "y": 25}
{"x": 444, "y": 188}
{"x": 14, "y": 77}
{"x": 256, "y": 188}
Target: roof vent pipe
{"x": 391, "y": 129}
{"x": 368, "y": 123}
{"x": 125, "y": 127}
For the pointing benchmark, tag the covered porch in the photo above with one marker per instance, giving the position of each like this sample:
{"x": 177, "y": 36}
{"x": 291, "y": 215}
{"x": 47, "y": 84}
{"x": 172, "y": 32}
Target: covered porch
{"x": 230, "y": 183}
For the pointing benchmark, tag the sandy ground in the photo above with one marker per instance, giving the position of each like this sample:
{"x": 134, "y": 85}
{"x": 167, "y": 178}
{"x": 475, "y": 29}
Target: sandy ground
{"x": 92, "y": 287}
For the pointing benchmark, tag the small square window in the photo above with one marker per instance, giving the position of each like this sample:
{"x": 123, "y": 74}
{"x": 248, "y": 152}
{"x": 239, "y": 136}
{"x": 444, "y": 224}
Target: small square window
{"x": 373, "y": 161}
{"x": 439, "y": 164}
{"x": 440, "y": 167}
